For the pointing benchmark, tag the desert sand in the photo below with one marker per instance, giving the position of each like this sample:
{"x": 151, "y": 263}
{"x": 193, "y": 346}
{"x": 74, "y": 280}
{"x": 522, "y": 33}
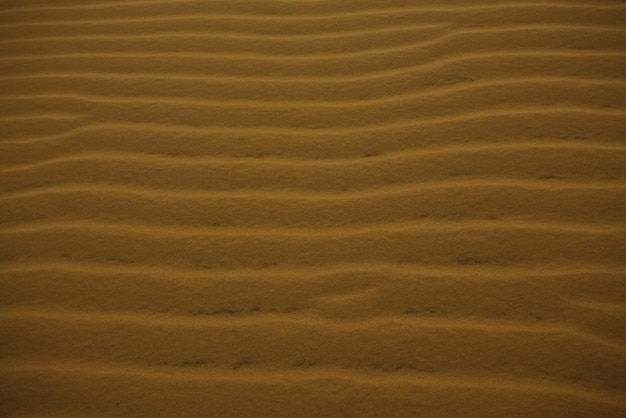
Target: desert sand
{"x": 312, "y": 208}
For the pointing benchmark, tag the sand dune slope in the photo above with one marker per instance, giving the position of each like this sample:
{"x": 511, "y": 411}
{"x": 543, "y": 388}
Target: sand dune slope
{"x": 312, "y": 208}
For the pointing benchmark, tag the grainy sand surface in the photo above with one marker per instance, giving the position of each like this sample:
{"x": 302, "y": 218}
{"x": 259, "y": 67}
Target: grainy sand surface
{"x": 312, "y": 208}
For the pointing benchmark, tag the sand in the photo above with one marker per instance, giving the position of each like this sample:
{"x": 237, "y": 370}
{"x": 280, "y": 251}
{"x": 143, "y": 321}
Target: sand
{"x": 312, "y": 208}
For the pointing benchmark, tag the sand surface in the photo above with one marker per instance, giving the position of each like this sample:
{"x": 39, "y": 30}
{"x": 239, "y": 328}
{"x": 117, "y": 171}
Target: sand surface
{"x": 312, "y": 208}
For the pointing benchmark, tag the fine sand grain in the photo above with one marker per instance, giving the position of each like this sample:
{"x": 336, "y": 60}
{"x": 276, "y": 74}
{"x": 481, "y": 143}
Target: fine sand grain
{"x": 312, "y": 208}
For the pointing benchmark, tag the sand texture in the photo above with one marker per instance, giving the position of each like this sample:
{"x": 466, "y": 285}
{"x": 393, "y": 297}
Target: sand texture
{"x": 396, "y": 208}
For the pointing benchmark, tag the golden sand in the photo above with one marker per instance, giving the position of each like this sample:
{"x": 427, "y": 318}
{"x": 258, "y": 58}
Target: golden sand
{"x": 312, "y": 208}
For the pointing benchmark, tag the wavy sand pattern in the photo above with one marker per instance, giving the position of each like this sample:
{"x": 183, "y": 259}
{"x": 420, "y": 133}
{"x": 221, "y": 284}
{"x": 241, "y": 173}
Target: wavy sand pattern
{"x": 312, "y": 208}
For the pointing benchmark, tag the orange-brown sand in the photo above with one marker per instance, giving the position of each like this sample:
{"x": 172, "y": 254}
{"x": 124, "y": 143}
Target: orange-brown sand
{"x": 400, "y": 208}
